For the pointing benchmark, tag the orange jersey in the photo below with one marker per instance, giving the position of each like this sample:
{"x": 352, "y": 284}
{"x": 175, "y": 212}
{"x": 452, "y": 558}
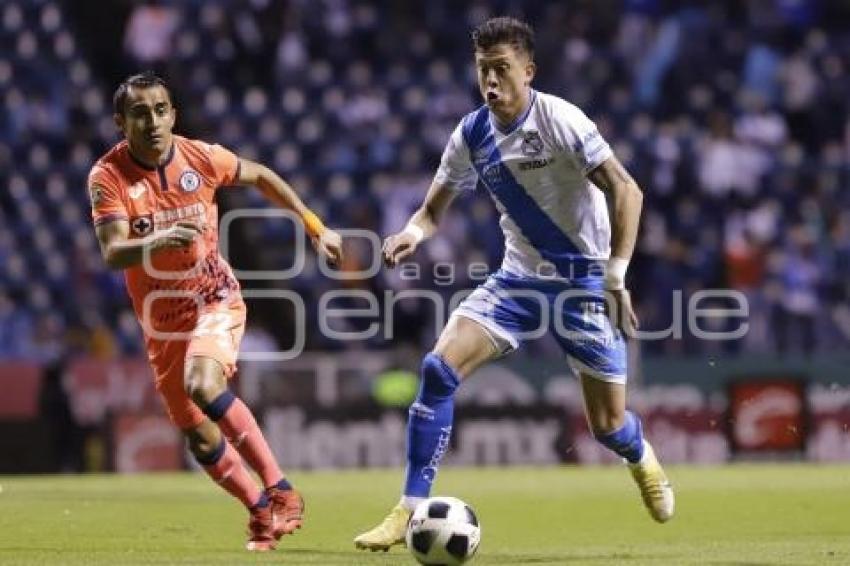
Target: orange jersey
{"x": 169, "y": 293}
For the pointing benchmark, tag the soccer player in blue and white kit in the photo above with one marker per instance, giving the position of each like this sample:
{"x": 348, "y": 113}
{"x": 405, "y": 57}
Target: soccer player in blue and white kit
{"x": 549, "y": 172}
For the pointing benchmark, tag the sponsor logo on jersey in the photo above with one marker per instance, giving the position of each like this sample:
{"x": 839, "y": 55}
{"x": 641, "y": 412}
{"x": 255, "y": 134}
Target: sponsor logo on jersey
{"x": 95, "y": 195}
{"x": 142, "y": 225}
{"x": 492, "y": 174}
{"x": 164, "y": 218}
{"x": 535, "y": 164}
{"x": 136, "y": 190}
{"x": 480, "y": 157}
{"x": 532, "y": 145}
{"x": 190, "y": 180}
{"x": 589, "y": 146}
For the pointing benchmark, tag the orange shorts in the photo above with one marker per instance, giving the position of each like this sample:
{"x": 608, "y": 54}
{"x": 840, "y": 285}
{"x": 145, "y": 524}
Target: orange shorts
{"x": 216, "y": 335}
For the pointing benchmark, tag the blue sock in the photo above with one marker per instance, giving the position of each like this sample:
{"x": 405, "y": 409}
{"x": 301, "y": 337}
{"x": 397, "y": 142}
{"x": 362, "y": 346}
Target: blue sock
{"x": 626, "y": 441}
{"x": 213, "y": 457}
{"x": 216, "y": 409}
{"x": 263, "y": 501}
{"x": 429, "y": 426}
{"x": 283, "y": 485}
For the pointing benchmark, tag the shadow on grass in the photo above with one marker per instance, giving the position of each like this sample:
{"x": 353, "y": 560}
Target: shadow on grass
{"x": 560, "y": 558}
{"x": 397, "y": 556}
{"x": 302, "y": 555}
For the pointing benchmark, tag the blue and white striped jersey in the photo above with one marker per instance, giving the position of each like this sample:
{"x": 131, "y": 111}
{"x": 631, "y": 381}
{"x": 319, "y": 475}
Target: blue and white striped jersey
{"x": 554, "y": 219}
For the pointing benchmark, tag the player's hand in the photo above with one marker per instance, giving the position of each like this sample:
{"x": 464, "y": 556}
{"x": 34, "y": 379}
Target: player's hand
{"x": 620, "y": 311}
{"x": 398, "y": 247}
{"x": 329, "y": 245}
{"x": 180, "y": 235}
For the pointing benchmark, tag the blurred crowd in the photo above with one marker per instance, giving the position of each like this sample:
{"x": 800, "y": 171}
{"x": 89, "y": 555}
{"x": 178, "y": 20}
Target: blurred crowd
{"x": 732, "y": 116}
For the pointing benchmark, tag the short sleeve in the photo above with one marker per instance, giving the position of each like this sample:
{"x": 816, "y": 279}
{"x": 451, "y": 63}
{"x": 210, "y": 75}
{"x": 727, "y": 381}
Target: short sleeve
{"x": 579, "y": 136}
{"x": 105, "y": 197}
{"x": 456, "y": 171}
{"x": 225, "y": 165}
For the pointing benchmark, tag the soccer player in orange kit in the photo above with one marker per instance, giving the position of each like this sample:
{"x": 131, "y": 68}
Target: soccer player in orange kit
{"x": 155, "y": 217}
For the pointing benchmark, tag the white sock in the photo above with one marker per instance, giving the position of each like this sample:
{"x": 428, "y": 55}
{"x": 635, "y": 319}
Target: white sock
{"x": 410, "y": 503}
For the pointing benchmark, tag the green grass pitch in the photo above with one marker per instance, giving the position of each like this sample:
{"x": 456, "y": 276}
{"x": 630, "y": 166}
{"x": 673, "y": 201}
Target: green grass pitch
{"x": 735, "y": 515}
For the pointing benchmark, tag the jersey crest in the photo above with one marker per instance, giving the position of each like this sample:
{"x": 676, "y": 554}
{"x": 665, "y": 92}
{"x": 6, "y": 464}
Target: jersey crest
{"x": 190, "y": 180}
{"x": 532, "y": 145}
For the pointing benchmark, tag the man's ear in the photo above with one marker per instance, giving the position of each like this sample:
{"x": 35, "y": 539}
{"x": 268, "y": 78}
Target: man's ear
{"x": 119, "y": 121}
{"x": 530, "y": 70}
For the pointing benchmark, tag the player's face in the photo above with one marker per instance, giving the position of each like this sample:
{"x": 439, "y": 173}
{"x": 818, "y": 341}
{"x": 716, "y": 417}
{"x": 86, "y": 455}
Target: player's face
{"x": 147, "y": 121}
{"x": 504, "y": 75}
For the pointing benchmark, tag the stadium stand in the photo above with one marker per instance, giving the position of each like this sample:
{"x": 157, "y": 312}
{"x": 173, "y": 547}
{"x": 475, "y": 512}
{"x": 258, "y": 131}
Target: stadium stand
{"x": 732, "y": 117}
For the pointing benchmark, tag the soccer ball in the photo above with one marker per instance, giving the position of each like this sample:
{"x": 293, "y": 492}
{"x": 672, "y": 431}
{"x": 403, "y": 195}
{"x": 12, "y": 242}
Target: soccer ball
{"x": 443, "y": 530}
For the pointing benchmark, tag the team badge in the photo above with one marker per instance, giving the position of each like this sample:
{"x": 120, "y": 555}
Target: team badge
{"x": 190, "y": 181}
{"x": 142, "y": 225}
{"x": 532, "y": 145}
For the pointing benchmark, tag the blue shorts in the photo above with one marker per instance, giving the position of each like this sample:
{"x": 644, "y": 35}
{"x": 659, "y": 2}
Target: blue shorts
{"x": 514, "y": 308}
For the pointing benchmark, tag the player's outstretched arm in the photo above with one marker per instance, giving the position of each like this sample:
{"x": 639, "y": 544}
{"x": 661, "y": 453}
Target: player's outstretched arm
{"x": 121, "y": 252}
{"x": 421, "y": 225}
{"x": 326, "y": 241}
{"x": 627, "y": 200}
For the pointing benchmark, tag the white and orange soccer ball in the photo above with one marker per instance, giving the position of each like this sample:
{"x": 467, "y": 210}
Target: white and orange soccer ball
{"x": 443, "y": 530}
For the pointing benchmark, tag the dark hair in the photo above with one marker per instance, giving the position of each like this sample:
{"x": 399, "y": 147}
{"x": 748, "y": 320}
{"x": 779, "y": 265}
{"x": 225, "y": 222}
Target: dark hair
{"x": 496, "y": 31}
{"x": 143, "y": 80}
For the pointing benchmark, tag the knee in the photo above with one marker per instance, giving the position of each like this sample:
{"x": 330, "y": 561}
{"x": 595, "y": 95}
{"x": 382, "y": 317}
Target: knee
{"x": 464, "y": 346}
{"x": 201, "y": 446}
{"x": 203, "y": 442}
{"x": 439, "y": 380}
{"x": 604, "y": 424}
{"x": 203, "y": 385}
{"x": 616, "y": 429}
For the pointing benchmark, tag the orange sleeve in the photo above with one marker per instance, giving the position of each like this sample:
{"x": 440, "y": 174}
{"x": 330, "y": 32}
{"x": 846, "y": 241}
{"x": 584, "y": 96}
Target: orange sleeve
{"x": 105, "y": 197}
{"x": 225, "y": 165}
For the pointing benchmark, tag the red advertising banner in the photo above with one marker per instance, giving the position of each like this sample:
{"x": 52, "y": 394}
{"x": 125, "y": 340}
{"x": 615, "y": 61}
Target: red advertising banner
{"x": 767, "y": 415}
{"x": 20, "y": 383}
{"x": 146, "y": 443}
{"x": 98, "y": 388}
